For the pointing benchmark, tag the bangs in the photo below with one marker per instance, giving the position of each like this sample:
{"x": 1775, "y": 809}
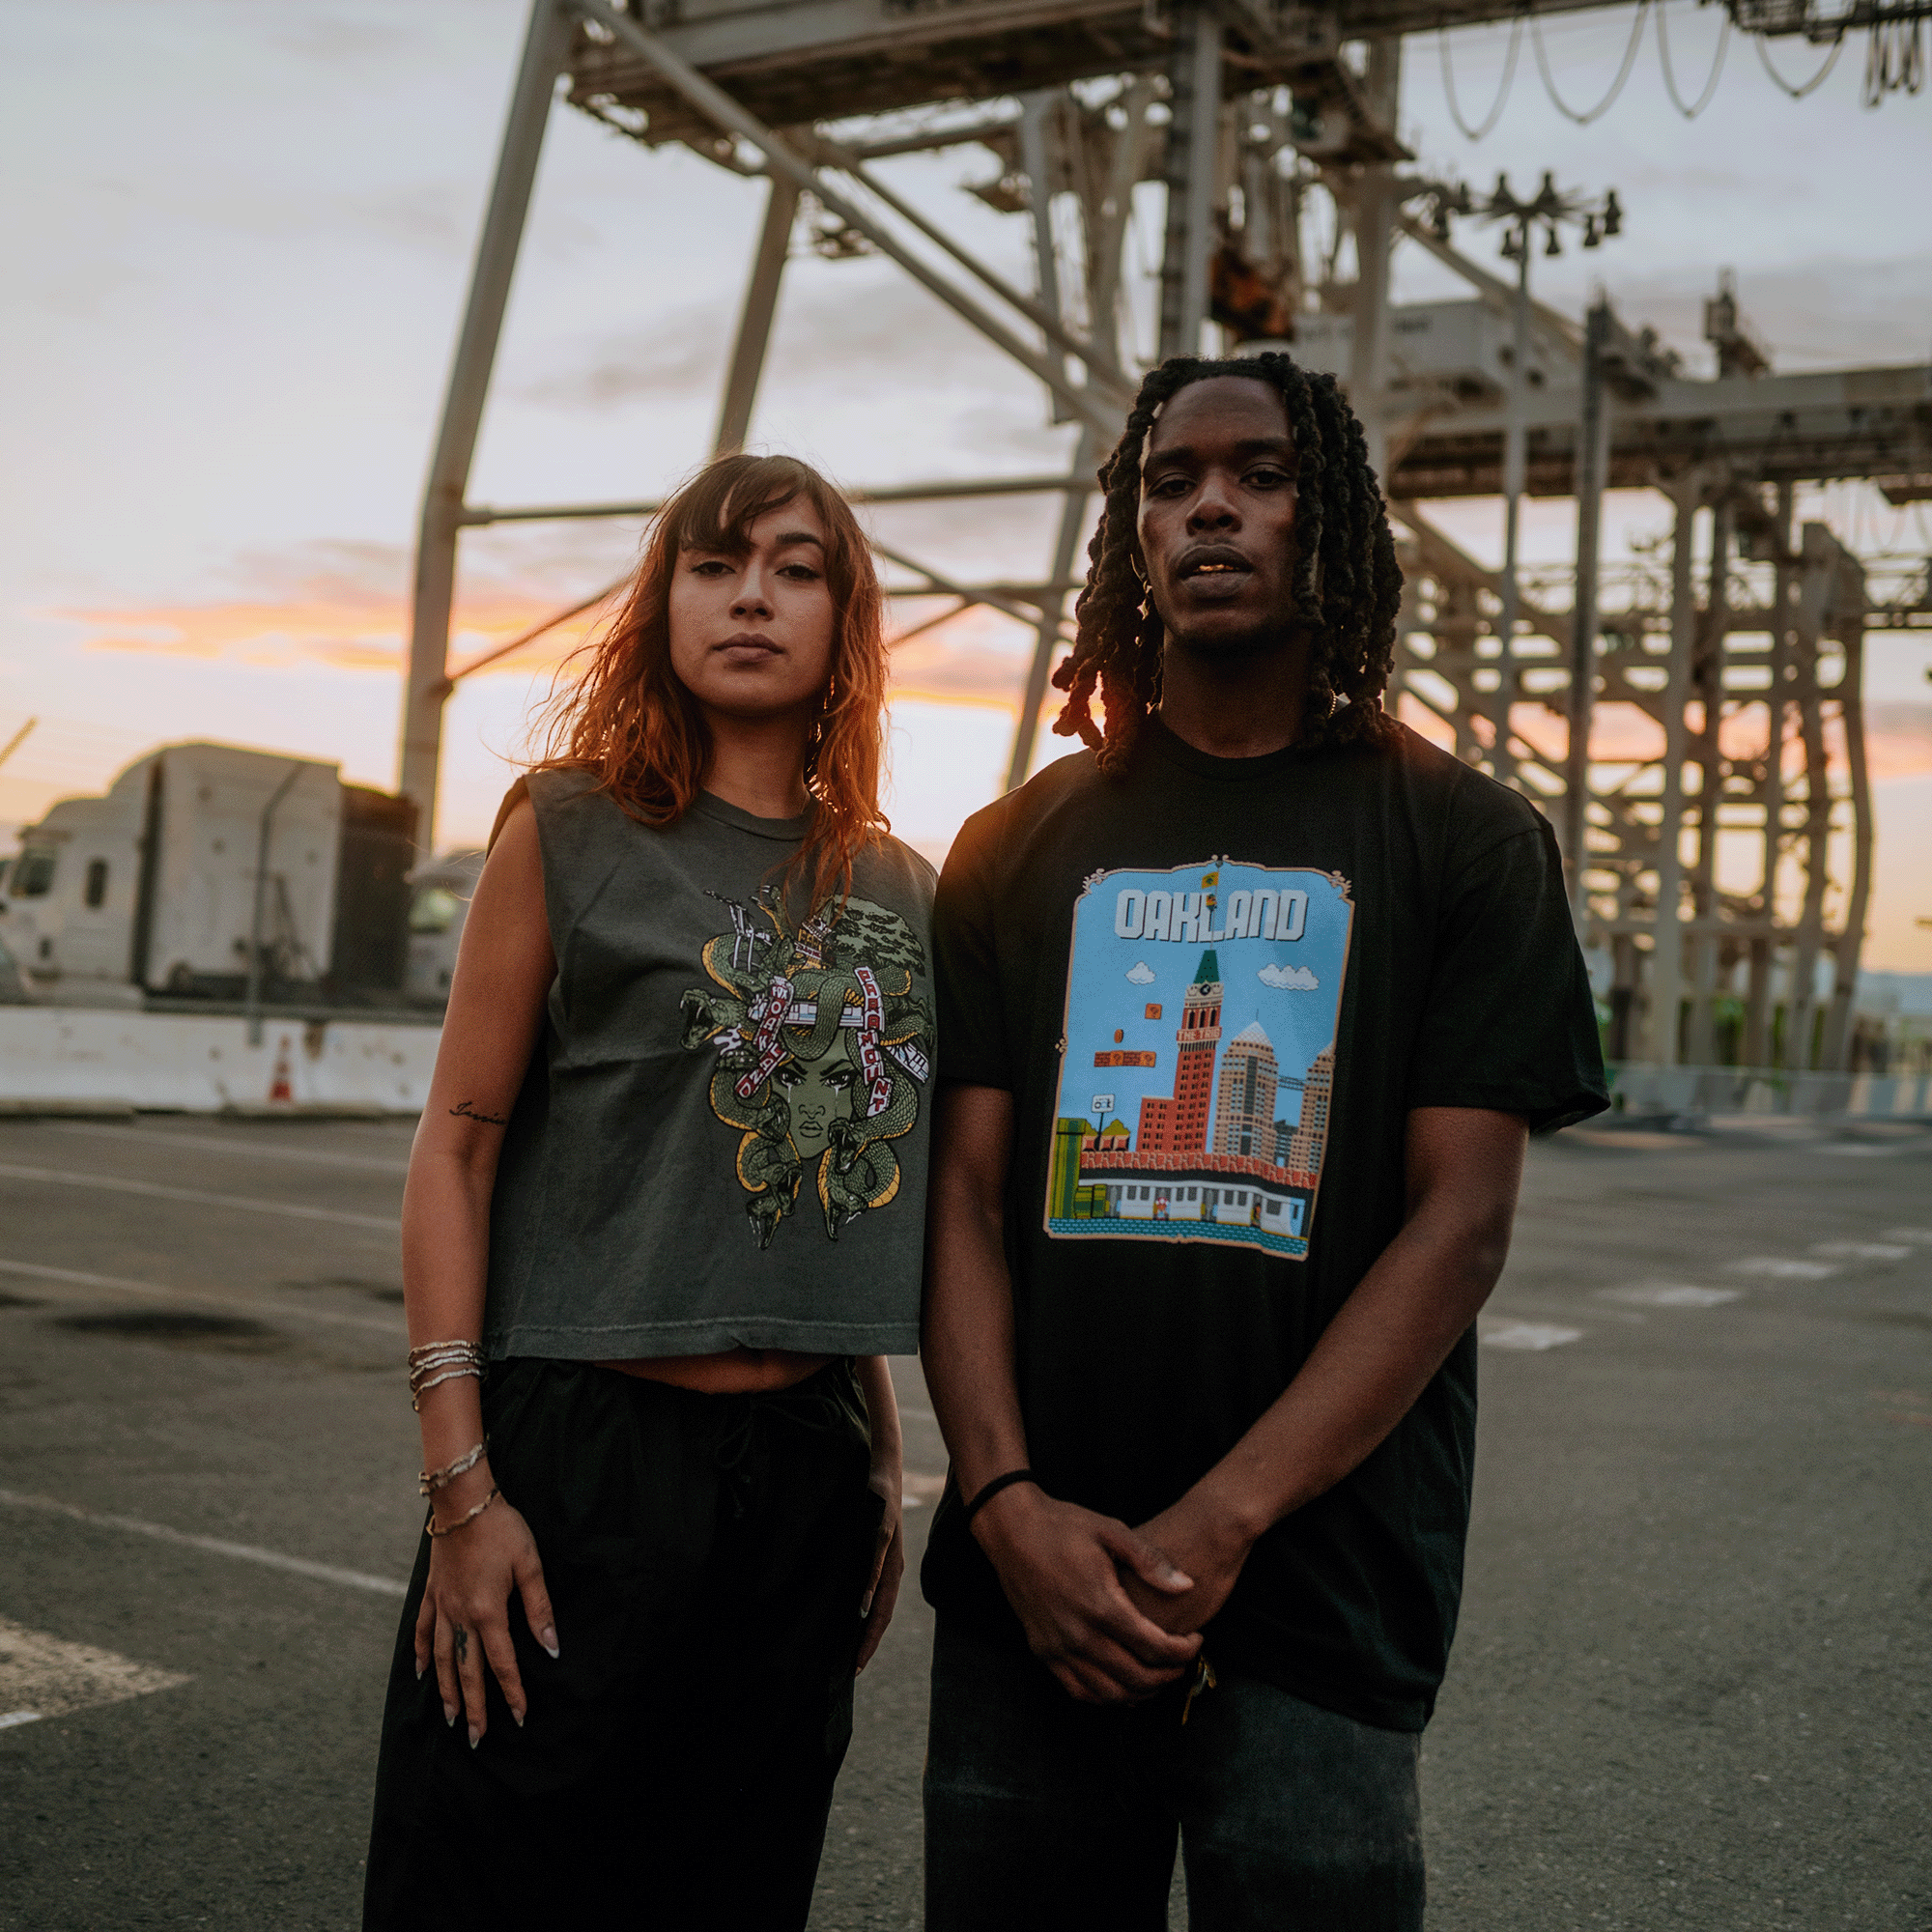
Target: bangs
{"x": 716, "y": 512}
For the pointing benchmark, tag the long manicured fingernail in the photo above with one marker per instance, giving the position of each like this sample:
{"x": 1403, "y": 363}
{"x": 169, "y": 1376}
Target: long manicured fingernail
{"x": 419, "y": 1673}
{"x": 449, "y": 1714}
{"x": 866, "y": 1607}
{"x": 519, "y": 1716}
{"x": 547, "y": 1637}
{"x": 475, "y": 1737}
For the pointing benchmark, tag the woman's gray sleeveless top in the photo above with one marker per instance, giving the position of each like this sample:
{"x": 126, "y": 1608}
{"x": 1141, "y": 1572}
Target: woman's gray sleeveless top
{"x": 722, "y": 1139}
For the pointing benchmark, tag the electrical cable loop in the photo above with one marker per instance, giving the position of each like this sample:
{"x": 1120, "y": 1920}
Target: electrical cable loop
{"x": 1894, "y": 60}
{"x": 1608, "y": 101}
{"x": 1495, "y": 113}
{"x": 1710, "y": 92}
{"x": 1817, "y": 79}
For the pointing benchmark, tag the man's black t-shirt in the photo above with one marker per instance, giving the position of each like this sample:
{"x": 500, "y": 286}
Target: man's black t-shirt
{"x": 1215, "y": 988}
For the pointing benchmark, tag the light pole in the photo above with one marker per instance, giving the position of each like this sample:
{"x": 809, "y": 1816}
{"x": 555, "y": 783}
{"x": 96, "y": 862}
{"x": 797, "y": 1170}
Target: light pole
{"x": 1548, "y": 209}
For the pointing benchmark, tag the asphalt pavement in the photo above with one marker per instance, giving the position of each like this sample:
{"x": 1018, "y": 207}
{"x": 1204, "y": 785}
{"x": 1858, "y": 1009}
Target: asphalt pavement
{"x": 1691, "y": 1686}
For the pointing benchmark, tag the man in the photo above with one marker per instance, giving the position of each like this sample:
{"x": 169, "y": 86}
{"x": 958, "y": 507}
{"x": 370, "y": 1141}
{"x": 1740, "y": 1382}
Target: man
{"x": 1245, "y": 1017}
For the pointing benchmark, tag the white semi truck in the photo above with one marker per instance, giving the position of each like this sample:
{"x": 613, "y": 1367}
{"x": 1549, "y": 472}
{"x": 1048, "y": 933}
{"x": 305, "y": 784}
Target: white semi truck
{"x": 209, "y": 873}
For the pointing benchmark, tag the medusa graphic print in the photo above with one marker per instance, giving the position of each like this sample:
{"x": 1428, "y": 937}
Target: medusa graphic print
{"x": 1199, "y": 1059}
{"x": 822, "y": 1046}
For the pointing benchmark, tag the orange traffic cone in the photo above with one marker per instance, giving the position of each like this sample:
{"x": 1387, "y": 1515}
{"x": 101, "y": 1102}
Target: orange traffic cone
{"x": 279, "y": 1088}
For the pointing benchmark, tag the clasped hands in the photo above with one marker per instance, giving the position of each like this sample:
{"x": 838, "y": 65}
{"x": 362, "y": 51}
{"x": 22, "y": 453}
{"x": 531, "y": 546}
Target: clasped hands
{"x": 1114, "y": 1614}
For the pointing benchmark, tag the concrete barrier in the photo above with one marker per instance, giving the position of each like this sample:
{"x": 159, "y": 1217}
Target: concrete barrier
{"x": 69, "y": 1059}
{"x": 1701, "y": 1091}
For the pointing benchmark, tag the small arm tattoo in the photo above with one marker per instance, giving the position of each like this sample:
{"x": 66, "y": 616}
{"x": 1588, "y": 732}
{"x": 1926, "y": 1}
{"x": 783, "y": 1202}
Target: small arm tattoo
{"x": 463, "y": 1110}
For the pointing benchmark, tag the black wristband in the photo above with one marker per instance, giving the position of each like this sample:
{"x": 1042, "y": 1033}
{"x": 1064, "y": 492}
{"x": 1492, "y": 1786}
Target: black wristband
{"x": 990, "y": 1490}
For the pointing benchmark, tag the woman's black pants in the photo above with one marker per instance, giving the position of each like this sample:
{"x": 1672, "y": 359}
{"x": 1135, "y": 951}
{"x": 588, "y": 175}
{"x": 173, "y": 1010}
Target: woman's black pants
{"x": 705, "y": 1556}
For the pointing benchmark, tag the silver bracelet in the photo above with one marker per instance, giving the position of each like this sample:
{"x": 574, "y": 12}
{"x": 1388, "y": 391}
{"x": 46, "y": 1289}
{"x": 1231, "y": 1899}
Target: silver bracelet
{"x": 469, "y": 1516}
{"x": 429, "y": 1481}
{"x": 417, "y": 1390}
{"x": 435, "y": 1362}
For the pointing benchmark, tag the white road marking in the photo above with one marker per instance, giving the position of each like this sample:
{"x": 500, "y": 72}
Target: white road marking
{"x": 46, "y": 1677}
{"x": 155, "y": 1190}
{"x": 282, "y": 1311}
{"x": 1860, "y": 1150}
{"x": 1777, "y": 1269}
{"x": 1632, "y": 1140}
{"x": 9, "y": 1718}
{"x": 1671, "y": 1294}
{"x": 918, "y": 1491}
{"x": 1525, "y": 1335}
{"x": 247, "y": 1552}
{"x": 242, "y": 1149}
{"x": 1915, "y": 1234}
{"x": 1862, "y": 1251}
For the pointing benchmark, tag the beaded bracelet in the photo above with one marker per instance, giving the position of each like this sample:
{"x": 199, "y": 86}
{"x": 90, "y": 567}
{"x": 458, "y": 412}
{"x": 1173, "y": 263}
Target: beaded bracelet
{"x": 429, "y": 1481}
{"x": 450, "y": 1529}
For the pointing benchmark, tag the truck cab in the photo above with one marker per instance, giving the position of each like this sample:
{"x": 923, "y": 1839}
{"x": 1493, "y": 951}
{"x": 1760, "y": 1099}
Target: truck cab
{"x": 201, "y": 861}
{"x": 74, "y": 893}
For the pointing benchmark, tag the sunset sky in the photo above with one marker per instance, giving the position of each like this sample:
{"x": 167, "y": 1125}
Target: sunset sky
{"x": 238, "y": 239}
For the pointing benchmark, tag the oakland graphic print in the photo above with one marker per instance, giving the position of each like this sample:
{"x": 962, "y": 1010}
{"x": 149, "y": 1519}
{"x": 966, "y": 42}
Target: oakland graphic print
{"x": 1198, "y": 1056}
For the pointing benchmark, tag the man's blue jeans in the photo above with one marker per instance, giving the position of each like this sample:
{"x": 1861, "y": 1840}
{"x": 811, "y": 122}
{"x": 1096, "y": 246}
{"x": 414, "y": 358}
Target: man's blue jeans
{"x": 1045, "y": 1813}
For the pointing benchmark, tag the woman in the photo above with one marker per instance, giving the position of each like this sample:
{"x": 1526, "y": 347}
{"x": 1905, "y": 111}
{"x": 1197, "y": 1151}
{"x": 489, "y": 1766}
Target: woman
{"x": 662, "y": 1229}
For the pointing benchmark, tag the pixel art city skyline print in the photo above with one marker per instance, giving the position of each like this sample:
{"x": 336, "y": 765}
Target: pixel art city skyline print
{"x": 1199, "y": 1058}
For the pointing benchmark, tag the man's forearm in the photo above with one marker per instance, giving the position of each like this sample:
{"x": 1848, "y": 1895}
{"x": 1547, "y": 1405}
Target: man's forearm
{"x": 1061, "y": 1566}
{"x": 1373, "y": 1361}
{"x": 966, "y": 1330}
{"x": 1365, "y": 1373}
{"x": 966, "y": 1347}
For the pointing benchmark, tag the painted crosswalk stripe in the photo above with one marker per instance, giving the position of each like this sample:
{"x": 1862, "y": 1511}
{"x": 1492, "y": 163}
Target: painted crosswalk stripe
{"x": 1671, "y": 1294}
{"x": 241, "y": 1150}
{"x": 256, "y": 1305}
{"x": 1917, "y": 1235}
{"x": 1779, "y": 1268}
{"x": 246, "y": 1204}
{"x": 215, "y": 1545}
{"x": 1862, "y": 1251}
{"x": 1531, "y": 1335}
{"x": 43, "y": 1676}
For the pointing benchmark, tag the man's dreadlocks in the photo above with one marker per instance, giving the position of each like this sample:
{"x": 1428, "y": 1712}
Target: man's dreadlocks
{"x": 1346, "y": 577}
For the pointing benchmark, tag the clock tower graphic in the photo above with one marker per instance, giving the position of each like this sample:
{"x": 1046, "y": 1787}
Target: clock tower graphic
{"x": 1179, "y": 1124}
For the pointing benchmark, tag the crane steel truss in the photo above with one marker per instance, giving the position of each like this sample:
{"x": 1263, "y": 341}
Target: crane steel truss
{"x": 1250, "y": 111}
{"x": 1719, "y": 848}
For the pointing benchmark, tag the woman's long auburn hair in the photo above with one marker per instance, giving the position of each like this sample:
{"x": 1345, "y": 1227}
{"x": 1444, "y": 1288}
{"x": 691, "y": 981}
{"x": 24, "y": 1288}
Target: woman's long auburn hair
{"x": 629, "y": 718}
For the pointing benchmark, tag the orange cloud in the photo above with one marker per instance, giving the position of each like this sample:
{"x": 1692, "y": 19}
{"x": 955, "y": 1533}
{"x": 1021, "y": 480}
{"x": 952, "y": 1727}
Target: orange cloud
{"x": 979, "y": 656}
{"x": 1898, "y": 740}
{"x": 351, "y": 631}
{"x": 337, "y": 617}
{"x": 1898, "y": 736}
